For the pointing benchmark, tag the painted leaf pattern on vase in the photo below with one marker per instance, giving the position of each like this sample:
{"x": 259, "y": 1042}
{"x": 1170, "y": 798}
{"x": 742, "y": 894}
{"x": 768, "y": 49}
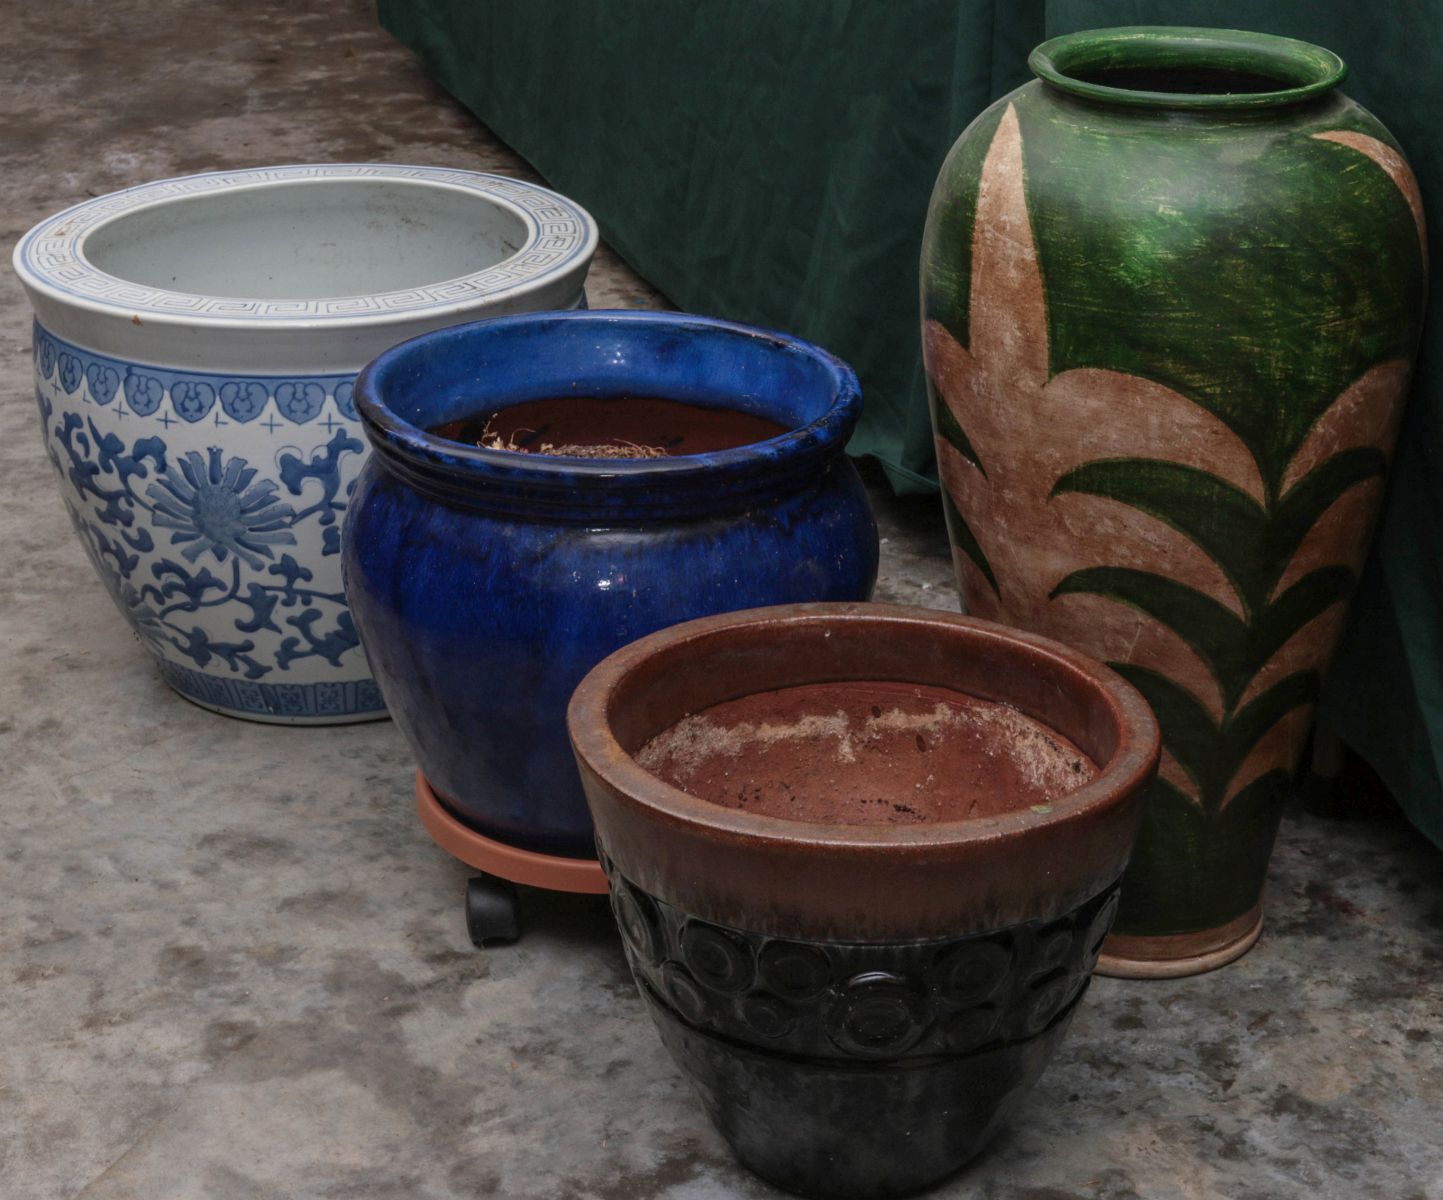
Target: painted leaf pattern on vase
{"x": 1122, "y": 516}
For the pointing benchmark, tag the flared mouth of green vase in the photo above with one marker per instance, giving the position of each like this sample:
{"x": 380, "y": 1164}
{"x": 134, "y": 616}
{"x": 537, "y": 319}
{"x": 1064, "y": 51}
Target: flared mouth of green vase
{"x": 1165, "y": 66}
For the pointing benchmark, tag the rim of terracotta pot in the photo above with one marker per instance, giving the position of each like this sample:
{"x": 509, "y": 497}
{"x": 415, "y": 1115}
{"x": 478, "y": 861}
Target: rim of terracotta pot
{"x": 458, "y": 371}
{"x": 859, "y": 882}
{"x": 1301, "y": 70}
{"x": 557, "y": 240}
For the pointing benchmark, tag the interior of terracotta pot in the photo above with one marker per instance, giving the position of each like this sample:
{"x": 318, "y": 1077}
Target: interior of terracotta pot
{"x": 867, "y": 752}
{"x": 866, "y": 721}
{"x": 308, "y": 240}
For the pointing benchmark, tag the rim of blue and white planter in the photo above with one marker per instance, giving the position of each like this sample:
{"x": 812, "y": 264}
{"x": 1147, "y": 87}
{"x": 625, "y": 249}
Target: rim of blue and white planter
{"x": 78, "y": 300}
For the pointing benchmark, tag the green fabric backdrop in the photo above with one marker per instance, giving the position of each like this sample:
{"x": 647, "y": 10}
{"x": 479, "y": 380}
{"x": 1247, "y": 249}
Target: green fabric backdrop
{"x": 771, "y": 160}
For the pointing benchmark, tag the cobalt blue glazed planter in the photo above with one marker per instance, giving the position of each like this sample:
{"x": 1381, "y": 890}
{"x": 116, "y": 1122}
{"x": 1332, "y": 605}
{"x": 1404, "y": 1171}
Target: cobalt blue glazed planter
{"x": 485, "y": 583}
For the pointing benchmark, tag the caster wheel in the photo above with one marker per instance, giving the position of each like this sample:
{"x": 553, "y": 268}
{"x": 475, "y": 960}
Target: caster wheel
{"x": 491, "y": 917}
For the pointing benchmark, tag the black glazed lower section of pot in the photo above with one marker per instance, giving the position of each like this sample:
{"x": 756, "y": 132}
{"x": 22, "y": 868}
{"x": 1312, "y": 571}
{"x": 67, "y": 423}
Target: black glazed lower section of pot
{"x": 831, "y": 1128}
{"x": 858, "y": 1069}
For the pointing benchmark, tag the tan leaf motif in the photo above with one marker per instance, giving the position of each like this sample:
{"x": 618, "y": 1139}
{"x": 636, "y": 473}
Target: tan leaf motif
{"x": 1027, "y": 430}
{"x": 1398, "y": 171}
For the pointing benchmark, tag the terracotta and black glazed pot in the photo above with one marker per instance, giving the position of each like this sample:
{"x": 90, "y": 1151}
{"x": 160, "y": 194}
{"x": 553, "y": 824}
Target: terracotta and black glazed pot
{"x": 485, "y": 583}
{"x": 1172, "y": 290}
{"x": 858, "y": 1005}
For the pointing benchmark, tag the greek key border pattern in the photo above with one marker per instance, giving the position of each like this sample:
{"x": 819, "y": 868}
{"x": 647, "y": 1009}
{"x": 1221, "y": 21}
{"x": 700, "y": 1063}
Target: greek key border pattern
{"x": 341, "y": 698}
{"x": 559, "y": 233}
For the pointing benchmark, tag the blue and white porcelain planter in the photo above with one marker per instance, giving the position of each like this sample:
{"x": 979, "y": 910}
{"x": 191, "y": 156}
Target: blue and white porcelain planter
{"x": 196, "y": 343}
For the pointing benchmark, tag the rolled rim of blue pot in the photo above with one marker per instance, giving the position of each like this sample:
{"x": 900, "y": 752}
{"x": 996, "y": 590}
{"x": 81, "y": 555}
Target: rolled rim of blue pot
{"x": 482, "y": 366}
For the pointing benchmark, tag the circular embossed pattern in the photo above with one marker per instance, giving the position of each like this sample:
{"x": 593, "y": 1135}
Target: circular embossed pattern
{"x": 636, "y": 918}
{"x": 878, "y": 1015}
{"x": 682, "y": 990}
{"x": 768, "y": 1016}
{"x": 857, "y": 1000}
{"x": 1046, "y": 1002}
{"x": 971, "y": 1028}
{"x": 716, "y": 958}
{"x": 971, "y": 972}
{"x": 792, "y": 970}
{"x": 1101, "y": 926}
{"x": 1053, "y": 947}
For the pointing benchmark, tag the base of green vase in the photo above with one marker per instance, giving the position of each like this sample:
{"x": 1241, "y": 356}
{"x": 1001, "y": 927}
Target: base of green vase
{"x": 1174, "y": 956}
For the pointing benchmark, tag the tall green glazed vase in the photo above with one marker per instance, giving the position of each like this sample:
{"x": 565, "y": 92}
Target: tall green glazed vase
{"x": 1171, "y": 291}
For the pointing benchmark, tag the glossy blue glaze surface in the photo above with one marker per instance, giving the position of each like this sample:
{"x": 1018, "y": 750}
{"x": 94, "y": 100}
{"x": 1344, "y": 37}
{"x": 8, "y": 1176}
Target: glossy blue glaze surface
{"x": 485, "y": 584}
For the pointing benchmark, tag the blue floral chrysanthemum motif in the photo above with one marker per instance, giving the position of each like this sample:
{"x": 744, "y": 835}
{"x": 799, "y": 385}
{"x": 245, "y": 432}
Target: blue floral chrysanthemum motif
{"x": 213, "y": 564}
{"x": 144, "y": 393}
{"x": 216, "y": 506}
{"x": 192, "y": 399}
{"x": 299, "y": 402}
{"x": 103, "y": 382}
{"x": 243, "y": 399}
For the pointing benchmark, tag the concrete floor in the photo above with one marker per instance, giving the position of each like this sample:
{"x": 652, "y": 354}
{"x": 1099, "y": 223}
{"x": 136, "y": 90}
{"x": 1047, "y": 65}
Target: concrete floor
{"x": 232, "y": 966}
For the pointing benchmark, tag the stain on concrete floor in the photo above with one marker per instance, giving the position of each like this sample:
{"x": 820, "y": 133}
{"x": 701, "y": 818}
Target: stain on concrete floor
{"x": 232, "y": 966}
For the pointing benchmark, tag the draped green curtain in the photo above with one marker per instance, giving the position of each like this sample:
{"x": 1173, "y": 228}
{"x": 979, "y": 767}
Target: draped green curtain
{"x": 770, "y": 161}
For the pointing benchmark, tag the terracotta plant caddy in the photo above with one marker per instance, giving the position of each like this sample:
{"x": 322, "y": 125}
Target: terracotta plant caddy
{"x": 498, "y": 547}
{"x": 861, "y": 962}
{"x": 1172, "y": 291}
{"x": 491, "y": 898}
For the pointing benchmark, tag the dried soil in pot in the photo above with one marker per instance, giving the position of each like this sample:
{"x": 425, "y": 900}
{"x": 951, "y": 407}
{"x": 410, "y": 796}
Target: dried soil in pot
{"x": 867, "y": 753}
{"x": 610, "y": 427}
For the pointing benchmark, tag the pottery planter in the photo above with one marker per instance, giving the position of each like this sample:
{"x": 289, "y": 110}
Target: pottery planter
{"x": 486, "y": 583}
{"x": 860, "y": 1000}
{"x": 1171, "y": 296}
{"x": 196, "y": 341}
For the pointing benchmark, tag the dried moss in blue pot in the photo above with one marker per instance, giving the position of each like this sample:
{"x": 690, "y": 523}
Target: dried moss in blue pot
{"x": 488, "y": 567}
